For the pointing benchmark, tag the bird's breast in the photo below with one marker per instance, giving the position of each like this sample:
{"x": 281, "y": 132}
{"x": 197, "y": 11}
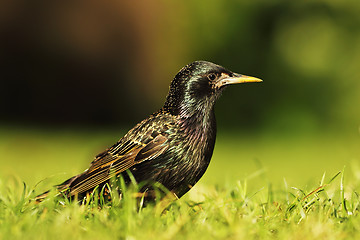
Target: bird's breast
{"x": 196, "y": 142}
{"x": 190, "y": 148}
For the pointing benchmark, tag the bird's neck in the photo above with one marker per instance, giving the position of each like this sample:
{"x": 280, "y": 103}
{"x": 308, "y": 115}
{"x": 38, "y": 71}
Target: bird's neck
{"x": 197, "y": 118}
{"x": 200, "y": 124}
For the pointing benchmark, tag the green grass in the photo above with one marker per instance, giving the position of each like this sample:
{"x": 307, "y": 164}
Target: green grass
{"x": 255, "y": 188}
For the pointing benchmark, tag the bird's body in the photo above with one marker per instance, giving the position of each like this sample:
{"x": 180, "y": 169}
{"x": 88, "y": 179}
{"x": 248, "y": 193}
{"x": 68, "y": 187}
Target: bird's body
{"x": 173, "y": 146}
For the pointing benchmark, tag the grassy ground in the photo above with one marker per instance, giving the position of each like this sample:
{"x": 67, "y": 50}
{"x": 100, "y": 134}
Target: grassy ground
{"x": 258, "y": 187}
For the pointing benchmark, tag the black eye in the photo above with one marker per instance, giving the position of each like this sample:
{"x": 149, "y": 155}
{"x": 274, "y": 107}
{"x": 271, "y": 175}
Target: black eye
{"x": 212, "y": 76}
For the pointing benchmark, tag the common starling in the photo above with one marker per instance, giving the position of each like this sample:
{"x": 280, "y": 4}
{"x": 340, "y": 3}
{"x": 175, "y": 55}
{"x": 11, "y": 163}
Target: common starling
{"x": 173, "y": 146}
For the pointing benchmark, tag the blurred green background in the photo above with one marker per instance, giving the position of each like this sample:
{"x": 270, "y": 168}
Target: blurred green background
{"x": 76, "y": 75}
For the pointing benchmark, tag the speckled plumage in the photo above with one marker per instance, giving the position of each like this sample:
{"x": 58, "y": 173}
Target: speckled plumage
{"x": 172, "y": 146}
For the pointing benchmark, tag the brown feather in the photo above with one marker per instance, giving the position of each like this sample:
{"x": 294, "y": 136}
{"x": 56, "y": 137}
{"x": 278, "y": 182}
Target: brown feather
{"x": 107, "y": 165}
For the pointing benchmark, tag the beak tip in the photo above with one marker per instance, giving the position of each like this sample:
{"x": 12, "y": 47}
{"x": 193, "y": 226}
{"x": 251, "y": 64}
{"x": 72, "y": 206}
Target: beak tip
{"x": 251, "y": 79}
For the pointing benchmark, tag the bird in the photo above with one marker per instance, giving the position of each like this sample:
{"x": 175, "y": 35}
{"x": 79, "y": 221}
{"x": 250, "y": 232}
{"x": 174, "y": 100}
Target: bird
{"x": 172, "y": 147}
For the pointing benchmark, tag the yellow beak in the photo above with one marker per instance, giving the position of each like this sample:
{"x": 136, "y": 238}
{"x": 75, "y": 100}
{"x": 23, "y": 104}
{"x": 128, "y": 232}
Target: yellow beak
{"x": 237, "y": 78}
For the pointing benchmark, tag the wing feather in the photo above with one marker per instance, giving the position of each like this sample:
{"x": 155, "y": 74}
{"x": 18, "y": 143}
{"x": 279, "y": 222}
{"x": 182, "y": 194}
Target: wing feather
{"x": 107, "y": 164}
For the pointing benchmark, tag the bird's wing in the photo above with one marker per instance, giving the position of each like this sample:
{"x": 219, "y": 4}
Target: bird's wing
{"x": 119, "y": 158}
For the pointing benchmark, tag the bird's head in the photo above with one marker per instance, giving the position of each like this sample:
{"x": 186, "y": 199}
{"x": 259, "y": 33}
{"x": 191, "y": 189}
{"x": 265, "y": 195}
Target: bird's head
{"x": 198, "y": 85}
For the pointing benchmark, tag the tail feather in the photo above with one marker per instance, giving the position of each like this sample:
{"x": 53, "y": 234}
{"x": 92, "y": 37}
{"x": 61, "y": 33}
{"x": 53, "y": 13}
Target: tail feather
{"x": 60, "y": 188}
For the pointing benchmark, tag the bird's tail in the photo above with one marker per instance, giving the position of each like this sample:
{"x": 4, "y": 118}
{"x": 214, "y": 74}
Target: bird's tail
{"x": 59, "y": 188}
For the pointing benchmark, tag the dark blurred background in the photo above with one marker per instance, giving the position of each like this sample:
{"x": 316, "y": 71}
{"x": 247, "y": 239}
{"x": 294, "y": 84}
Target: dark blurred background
{"x": 110, "y": 62}
{"x": 104, "y": 65}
